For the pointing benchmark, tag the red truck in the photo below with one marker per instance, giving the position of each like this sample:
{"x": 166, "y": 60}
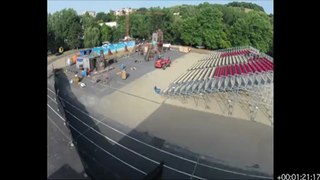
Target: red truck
{"x": 162, "y": 63}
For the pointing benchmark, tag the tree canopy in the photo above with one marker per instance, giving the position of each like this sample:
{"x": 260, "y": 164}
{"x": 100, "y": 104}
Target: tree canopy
{"x": 64, "y": 29}
{"x": 105, "y": 33}
{"x": 91, "y": 37}
{"x": 246, "y": 5}
{"x": 102, "y": 16}
{"x": 210, "y": 25}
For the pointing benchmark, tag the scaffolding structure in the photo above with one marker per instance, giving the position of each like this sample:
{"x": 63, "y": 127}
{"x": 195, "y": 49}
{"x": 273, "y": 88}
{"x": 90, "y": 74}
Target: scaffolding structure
{"x": 240, "y": 75}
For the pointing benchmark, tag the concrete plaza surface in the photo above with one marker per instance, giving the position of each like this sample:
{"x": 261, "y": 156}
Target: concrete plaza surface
{"x": 233, "y": 140}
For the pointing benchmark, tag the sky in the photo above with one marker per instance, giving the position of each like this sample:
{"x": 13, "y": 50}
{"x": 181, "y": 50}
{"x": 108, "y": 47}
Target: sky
{"x": 107, "y": 5}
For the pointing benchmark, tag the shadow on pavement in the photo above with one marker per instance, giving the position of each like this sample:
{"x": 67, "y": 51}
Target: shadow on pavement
{"x": 99, "y": 153}
{"x": 95, "y": 151}
{"x": 222, "y": 142}
{"x": 66, "y": 172}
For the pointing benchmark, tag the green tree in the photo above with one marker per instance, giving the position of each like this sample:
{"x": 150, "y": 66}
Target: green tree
{"x": 169, "y": 26}
{"x": 239, "y": 33}
{"x": 246, "y": 5}
{"x": 102, "y": 16}
{"x": 271, "y": 18}
{"x": 156, "y": 18}
{"x": 230, "y": 15}
{"x": 205, "y": 29}
{"x": 142, "y": 10}
{"x": 73, "y": 38}
{"x": 139, "y": 26}
{"x": 55, "y": 30}
{"x": 51, "y": 39}
{"x": 120, "y": 31}
{"x": 91, "y": 37}
{"x": 66, "y": 27}
{"x": 105, "y": 32}
{"x": 210, "y": 25}
{"x": 254, "y": 29}
{"x": 173, "y": 31}
{"x": 88, "y": 21}
{"x": 110, "y": 17}
{"x": 51, "y": 45}
{"x": 213, "y": 33}
{"x": 190, "y": 34}
{"x": 186, "y": 11}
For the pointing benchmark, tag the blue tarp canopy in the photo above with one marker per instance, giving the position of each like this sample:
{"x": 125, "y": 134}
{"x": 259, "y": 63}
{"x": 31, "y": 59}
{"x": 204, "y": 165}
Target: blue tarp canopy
{"x": 114, "y": 47}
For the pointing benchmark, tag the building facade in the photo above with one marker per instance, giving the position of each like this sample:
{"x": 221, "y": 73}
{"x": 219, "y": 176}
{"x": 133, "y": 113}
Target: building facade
{"x": 123, "y": 11}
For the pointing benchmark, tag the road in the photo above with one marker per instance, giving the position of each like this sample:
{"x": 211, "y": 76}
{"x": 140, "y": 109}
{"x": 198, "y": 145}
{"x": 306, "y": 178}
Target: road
{"x": 107, "y": 150}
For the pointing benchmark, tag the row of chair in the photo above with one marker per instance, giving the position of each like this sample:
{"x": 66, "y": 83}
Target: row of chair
{"x": 219, "y": 74}
{"x": 255, "y": 66}
{"x": 236, "y": 49}
{"x": 219, "y": 62}
{"x": 225, "y": 77}
{"x": 235, "y": 53}
{"x": 214, "y": 55}
{"x": 199, "y": 85}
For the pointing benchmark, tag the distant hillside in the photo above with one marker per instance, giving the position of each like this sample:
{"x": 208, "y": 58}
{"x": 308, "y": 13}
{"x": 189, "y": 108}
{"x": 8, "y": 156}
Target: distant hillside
{"x": 246, "y": 5}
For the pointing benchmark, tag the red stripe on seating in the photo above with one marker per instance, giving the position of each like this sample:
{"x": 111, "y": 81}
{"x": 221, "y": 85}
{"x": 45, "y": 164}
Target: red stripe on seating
{"x": 236, "y": 68}
{"x": 262, "y": 66}
{"x": 252, "y": 68}
{"x": 247, "y": 68}
{"x": 231, "y": 70}
{"x": 226, "y": 70}
{"x": 216, "y": 72}
{"x": 256, "y": 66}
{"x": 269, "y": 63}
{"x": 247, "y": 71}
{"x": 221, "y": 71}
{"x": 241, "y": 69}
{"x": 266, "y": 64}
